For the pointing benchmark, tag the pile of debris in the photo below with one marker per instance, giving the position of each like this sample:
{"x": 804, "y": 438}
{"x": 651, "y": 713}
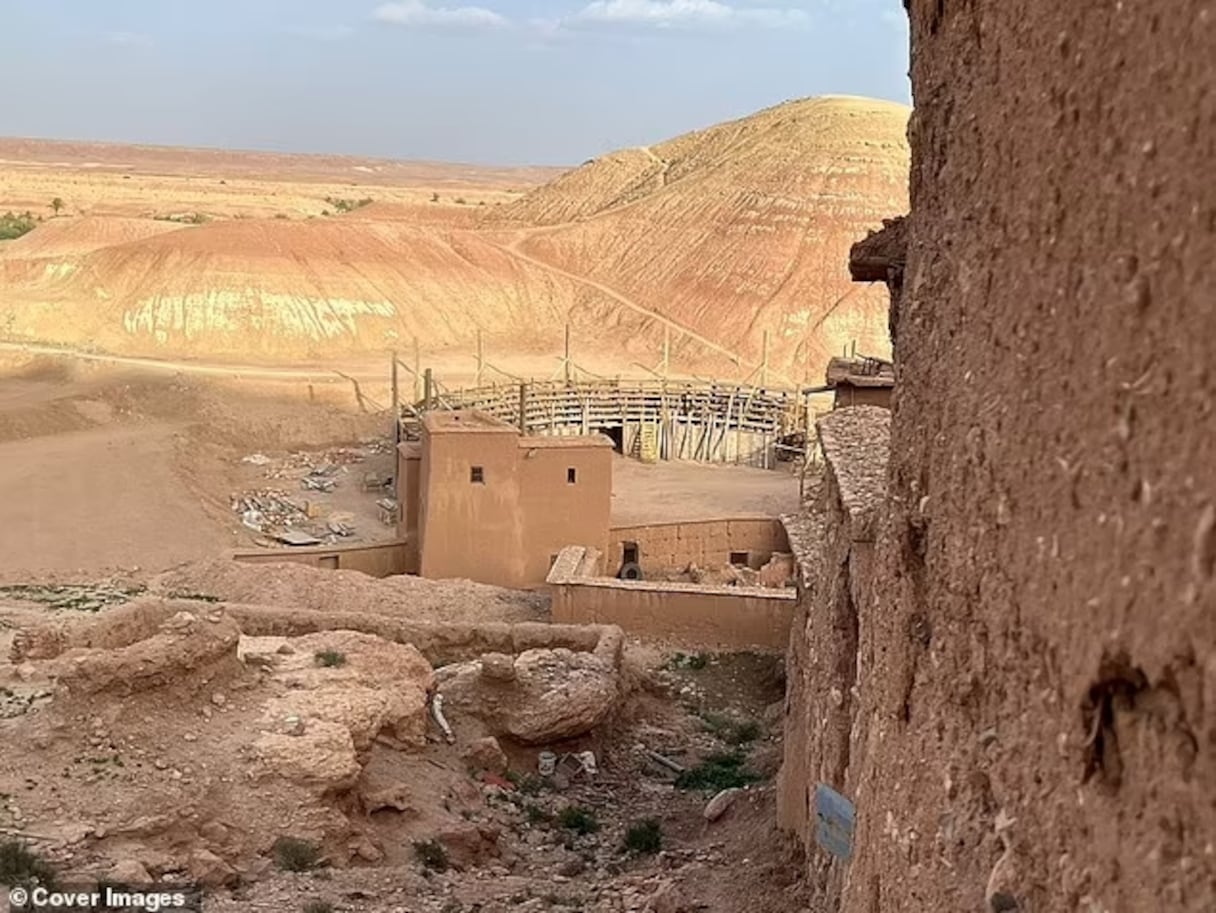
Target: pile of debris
{"x": 779, "y": 572}
{"x": 277, "y": 517}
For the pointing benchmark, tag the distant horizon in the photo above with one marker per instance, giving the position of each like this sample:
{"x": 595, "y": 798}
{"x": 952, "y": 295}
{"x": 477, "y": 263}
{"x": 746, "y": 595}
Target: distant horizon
{"x": 310, "y": 153}
{"x": 489, "y": 83}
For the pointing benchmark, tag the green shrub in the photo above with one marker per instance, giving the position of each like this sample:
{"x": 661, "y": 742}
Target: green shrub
{"x": 717, "y": 772}
{"x": 20, "y": 865}
{"x": 644, "y": 837}
{"x": 330, "y": 659}
{"x": 291, "y": 854}
{"x": 730, "y": 731}
{"x": 431, "y": 854}
{"x": 14, "y": 226}
{"x": 578, "y": 819}
{"x": 318, "y": 906}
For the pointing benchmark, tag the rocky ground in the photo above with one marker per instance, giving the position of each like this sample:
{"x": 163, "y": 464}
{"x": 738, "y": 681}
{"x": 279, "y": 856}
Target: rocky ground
{"x": 289, "y": 764}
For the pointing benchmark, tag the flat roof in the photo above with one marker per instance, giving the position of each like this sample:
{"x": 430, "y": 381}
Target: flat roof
{"x": 558, "y": 441}
{"x": 465, "y": 421}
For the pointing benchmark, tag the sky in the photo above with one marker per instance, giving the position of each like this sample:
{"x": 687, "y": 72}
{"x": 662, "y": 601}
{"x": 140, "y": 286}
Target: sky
{"x": 509, "y": 82}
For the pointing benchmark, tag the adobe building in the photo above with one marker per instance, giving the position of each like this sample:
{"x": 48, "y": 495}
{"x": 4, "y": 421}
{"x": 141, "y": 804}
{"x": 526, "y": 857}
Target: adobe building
{"x": 480, "y": 500}
{"x": 861, "y": 382}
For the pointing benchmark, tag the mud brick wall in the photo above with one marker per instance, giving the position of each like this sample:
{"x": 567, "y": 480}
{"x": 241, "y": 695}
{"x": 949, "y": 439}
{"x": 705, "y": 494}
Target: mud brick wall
{"x": 1038, "y": 663}
{"x": 721, "y": 617}
{"x": 835, "y": 544}
{"x": 705, "y": 543}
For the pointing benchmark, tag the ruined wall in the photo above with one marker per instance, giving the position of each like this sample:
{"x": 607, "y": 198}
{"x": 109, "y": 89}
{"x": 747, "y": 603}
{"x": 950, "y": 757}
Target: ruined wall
{"x": 706, "y": 543}
{"x": 1039, "y": 660}
{"x": 382, "y": 559}
{"x": 835, "y": 543}
{"x": 722, "y": 617}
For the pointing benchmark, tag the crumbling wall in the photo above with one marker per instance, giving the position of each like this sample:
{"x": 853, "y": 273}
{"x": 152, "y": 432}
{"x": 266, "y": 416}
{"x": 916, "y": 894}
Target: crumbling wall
{"x": 1039, "y": 660}
{"x": 835, "y": 540}
{"x": 700, "y": 615}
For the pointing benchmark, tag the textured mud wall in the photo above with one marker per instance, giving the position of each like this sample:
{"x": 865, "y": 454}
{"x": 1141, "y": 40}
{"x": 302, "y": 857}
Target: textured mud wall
{"x": 383, "y": 559}
{"x": 835, "y": 545}
{"x": 1039, "y": 664}
{"x": 706, "y": 543}
{"x": 723, "y": 617}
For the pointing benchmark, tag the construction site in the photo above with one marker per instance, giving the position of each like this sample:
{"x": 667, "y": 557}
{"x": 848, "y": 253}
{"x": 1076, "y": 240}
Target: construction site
{"x": 589, "y": 549}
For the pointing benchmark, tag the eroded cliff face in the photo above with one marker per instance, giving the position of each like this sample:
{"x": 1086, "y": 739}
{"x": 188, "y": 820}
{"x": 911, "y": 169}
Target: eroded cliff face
{"x": 1037, "y": 664}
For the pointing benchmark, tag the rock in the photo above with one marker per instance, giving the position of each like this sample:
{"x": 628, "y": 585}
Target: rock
{"x": 667, "y": 899}
{"x": 486, "y": 754}
{"x": 498, "y": 667}
{"x": 218, "y": 699}
{"x": 361, "y": 847}
{"x": 323, "y": 758}
{"x": 396, "y": 798}
{"x": 129, "y": 872}
{"x": 555, "y": 695}
{"x": 467, "y": 845}
{"x": 719, "y": 804}
{"x": 210, "y": 870}
{"x": 575, "y": 865}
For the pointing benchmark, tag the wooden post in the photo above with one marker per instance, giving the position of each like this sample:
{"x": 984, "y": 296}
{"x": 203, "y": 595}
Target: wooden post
{"x": 523, "y": 408}
{"x": 566, "y": 361}
{"x": 428, "y": 385}
{"x": 666, "y": 352}
{"x": 764, "y": 363}
{"x": 481, "y": 358}
{"x": 417, "y": 370}
{"x": 396, "y": 407}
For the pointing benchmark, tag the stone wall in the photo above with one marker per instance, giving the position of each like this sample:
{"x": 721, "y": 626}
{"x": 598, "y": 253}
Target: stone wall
{"x": 1037, "y": 661}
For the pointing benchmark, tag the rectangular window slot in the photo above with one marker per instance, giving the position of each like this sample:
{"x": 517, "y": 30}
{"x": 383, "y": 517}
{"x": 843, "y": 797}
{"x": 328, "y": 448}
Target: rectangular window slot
{"x": 478, "y": 475}
{"x": 571, "y": 476}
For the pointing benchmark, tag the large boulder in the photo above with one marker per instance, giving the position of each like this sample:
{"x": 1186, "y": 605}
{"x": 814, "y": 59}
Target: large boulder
{"x": 543, "y": 696}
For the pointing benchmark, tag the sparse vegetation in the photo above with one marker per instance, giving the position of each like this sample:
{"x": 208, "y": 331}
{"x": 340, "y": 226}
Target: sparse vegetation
{"x": 20, "y": 865}
{"x": 731, "y": 731}
{"x": 184, "y": 218}
{"x": 14, "y": 226}
{"x": 292, "y": 854}
{"x": 73, "y": 597}
{"x": 578, "y": 819}
{"x": 56, "y": 205}
{"x": 341, "y": 205}
{"x": 431, "y": 854}
{"x": 644, "y": 837}
{"x": 461, "y": 201}
{"x": 717, "y": 772}
{"x": 330, "y": 659}
{"x": 318, "y": 906}
{"x": 525, "y": 784}
{"x": 434, "y": 197}
{"x": 536, "y": 814}
{"x": 693, "y": 661}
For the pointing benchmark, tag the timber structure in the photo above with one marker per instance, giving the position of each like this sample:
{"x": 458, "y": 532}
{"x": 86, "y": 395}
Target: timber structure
{"x": 648, "y": 419}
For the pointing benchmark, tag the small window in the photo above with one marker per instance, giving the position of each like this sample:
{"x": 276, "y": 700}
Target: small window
{"x": 478, "y": 475}
{"x": 739, "y": 559}
{"x": 571, "y": 476}
{"x": 629, "y": 553}
{"x": 552, "y": 561}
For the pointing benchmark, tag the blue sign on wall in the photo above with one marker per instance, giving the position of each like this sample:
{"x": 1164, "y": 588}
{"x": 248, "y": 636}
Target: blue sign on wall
{"x": 833, "y": 822}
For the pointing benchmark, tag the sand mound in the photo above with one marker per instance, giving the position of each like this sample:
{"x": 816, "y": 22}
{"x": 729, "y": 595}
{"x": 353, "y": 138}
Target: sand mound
{"x": 412, "y": 598}
{"x": 718, "y": 235}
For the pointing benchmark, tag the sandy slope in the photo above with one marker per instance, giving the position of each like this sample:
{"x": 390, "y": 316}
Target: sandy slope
{"x": 713, "y": 237}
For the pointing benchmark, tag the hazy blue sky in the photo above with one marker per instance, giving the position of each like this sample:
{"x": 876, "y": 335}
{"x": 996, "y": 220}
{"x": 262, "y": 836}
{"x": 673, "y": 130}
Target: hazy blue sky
{"x": 488, "y": 81}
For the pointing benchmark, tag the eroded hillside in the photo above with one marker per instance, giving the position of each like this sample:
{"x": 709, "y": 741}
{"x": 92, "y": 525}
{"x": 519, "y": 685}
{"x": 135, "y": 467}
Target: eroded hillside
{"x": 712, "y": 239}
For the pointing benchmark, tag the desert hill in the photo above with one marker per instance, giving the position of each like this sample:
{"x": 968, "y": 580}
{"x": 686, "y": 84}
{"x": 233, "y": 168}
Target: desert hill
{"x": 715, "y": 236}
